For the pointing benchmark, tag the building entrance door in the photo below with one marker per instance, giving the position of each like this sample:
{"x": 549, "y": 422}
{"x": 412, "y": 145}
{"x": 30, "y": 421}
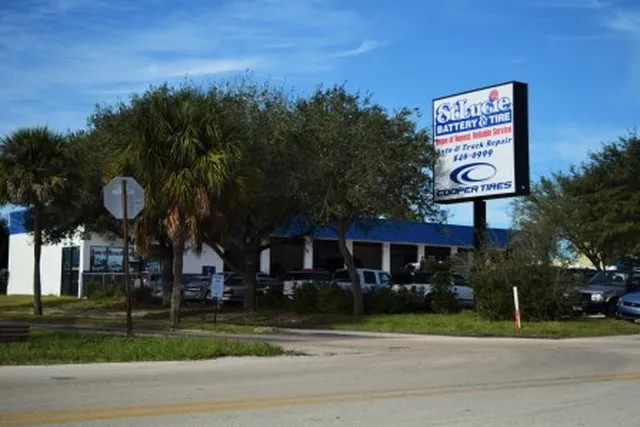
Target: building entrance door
{"x": 70, "y": 271}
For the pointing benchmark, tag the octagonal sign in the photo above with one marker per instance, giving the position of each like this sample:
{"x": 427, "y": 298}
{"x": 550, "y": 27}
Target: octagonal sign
{"x": 113, "y": 197}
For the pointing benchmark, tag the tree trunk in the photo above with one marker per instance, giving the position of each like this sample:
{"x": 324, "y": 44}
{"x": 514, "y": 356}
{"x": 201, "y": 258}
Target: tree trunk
{"x": 167, "y": 277}
{"x": 249, "y": 276}
{"x": 358, "y": 297}
{"x": 178, "y": 257}
{"x": 37, "y": 251}
{"x": 596, "y": 261}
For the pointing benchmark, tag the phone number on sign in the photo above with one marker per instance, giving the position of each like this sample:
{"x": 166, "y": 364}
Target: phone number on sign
{"x": 483, "y": 154}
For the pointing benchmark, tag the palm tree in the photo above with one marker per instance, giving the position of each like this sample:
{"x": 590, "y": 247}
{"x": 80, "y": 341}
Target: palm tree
{"x": 36, "y": 168}
{"x": 178, "y": 151}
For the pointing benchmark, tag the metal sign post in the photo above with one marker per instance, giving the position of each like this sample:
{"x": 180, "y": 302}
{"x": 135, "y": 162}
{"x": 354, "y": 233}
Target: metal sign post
{"x": 124, "y": 199}
{"x": 217, "y": 290}
{"x": 125, "y": 231}
{"x": 479, "y": 224}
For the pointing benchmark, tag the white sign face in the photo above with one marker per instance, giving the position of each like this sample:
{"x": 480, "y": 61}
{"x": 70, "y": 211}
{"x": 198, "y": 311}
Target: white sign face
{"x": 217, "y": 285}
{"x": 474, "y": 139}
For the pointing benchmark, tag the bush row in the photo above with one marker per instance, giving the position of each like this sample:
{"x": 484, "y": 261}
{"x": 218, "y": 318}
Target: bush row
{"x": 97, "y": 289}
{"x": 329, "y": 298}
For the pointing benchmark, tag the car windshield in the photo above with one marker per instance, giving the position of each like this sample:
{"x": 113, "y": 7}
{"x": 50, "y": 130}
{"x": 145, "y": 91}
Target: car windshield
{"x": 609, "y": 278}
{"x": 342, "y": 275}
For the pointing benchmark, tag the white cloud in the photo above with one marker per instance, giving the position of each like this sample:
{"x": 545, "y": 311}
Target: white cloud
{"x": 197, "y": 68}
{"x": 574, "y": 143}
{"x": 625, "y": 22}
{"x": 79, "y": 49}
{"x": 365, "y": 47}
{"x": 570, "y": 4}
{"x": 580, "y": 37}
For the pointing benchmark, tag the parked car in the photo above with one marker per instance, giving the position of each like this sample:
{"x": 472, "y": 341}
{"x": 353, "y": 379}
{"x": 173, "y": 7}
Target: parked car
{"x": 603, "y": 291}
{"x": 628, "y": 307}
{"x": 369, "y": 278}
{"x": 422, "y": 282}
{"x": 234, "y": 286}
{"x": 297, "y": 277}
{"x": 197, "y": 288}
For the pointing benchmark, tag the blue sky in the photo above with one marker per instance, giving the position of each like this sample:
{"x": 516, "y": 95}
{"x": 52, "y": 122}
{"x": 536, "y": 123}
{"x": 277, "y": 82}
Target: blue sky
{"x": 581, "y": 58}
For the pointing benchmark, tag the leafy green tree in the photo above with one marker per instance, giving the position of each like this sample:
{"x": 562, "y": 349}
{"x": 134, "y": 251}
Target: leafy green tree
{"x": 550, "y": 222}
{"x": 260, "y": 197}
{"x": 608, "y": 184}
{"x": 363, "y": 163}
{"x": 593, "y": 210}
{"x": 38, "y": 168}
{"x": 179, "y": 151}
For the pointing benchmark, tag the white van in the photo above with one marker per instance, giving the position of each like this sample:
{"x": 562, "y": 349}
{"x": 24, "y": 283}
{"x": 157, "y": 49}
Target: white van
{"x": 369, "y": 278}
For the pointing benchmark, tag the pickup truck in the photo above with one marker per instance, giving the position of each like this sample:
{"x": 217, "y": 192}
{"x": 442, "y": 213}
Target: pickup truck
{"x": 421, "y": 281}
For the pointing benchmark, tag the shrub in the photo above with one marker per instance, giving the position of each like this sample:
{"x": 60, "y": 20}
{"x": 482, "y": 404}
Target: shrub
{"x": 311, "y": 298}
{"x": 273, "y": 299}
{"x": 143, "y": 295}
{"x": 332, "y": 299}
{"x": 541, "y": 287}
{"x": 386, "y": 301}
{"x": 329, "y": 298}
{"x": 442, "y": 299}
{"x": 98, "y": 289}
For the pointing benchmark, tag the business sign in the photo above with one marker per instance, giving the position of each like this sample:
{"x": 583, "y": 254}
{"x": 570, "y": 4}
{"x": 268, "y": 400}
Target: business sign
{"x": 482, "y": 142}
{"x": 217, "y": 285}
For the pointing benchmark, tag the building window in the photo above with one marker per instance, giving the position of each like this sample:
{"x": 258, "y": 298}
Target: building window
{"x": 103, "y": 259}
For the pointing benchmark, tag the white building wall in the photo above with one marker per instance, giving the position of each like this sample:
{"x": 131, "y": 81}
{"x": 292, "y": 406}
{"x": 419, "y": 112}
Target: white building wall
{"x": 193, "y": 262}
{"x": 21, "y": 265}
{"x": 21, "y": 262}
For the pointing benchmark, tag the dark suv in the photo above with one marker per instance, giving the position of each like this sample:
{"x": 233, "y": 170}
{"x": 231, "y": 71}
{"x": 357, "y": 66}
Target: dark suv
{"x": 601, "y": 293}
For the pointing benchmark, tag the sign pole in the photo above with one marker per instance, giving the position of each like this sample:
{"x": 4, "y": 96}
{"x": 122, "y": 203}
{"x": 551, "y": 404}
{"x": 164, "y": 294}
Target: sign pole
{"x": 216, "y": 307}
{"x": 479, "y": 223}
{"x": 125, "y": 228}
{"x": 516, "y": 304}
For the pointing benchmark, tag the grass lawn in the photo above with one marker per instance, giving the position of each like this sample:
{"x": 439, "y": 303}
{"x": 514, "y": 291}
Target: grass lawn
{"x": 110, "y": 312}
{"x": 468, "y": 323}
{"x": 48, "y": 348}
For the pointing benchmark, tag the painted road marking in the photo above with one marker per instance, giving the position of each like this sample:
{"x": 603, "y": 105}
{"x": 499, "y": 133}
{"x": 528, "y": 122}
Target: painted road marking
{"x": 11, "y": 419}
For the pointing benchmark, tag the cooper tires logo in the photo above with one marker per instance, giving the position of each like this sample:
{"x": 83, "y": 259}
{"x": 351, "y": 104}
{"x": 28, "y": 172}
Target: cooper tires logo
{"x": 473, "y": 173}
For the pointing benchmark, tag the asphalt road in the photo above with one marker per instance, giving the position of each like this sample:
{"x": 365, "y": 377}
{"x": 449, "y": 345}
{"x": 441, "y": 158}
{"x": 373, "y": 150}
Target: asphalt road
{"x": 355, "y": 380}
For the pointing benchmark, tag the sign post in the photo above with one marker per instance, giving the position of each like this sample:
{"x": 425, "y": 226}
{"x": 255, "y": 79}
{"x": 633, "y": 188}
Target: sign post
{"x": 124, "y": 199}
{"x": 516, "y": 305}
{"x": 217, "y": 290}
